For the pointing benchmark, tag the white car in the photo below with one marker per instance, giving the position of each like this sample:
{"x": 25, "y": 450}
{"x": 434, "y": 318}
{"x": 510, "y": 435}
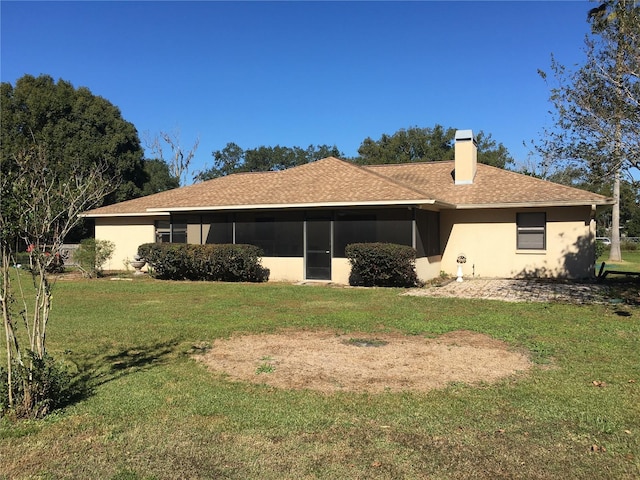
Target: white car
{"x": 605, "y": 240}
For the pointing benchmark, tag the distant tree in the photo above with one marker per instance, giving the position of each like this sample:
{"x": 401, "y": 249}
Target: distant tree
{"x": 158, "y": 178}
{"x": 180, "y": 159}
{"x": 629, "y": 208}
{"x": 75, "y": 127}
{"x": 632, "y": 224}
{"x": 596, "y": 108}
{"x": 233, "y": 159}
{"x": 417, "y": 144}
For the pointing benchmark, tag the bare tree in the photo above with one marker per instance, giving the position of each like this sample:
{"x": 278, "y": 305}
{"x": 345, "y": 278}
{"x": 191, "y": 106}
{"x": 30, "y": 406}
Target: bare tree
{"x": 180, "y": 158}
{"x": 40, "y": 207}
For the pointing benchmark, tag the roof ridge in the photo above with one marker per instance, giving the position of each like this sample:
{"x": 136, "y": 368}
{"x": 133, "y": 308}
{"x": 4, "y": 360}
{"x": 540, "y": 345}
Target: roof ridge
{"x": 402, "y": 164}
{"x": 363, "y": 169}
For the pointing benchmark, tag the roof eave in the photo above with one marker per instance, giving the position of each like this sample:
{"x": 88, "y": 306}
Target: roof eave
{"x": 155, "y": 213}
{"x": 563, "y": 203}
{"x": 273, "y": 206}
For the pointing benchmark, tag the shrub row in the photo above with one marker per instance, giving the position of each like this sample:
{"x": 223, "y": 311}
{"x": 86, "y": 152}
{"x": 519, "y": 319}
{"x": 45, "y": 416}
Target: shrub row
{"x": 226, "y": 263}
{"x": 382, "y": 265}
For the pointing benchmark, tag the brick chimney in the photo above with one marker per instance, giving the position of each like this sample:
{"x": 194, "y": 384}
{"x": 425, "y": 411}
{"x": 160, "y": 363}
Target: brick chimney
{"x": 466, "y": 157}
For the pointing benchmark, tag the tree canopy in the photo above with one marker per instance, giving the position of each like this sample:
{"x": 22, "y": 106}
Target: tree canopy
{"x": 158, "y": 177}
{"x": 76, "y": 128}
{"x": 417, "y": 144}
{"x": 233, "y": 159}
{"x": 406, "y": 145}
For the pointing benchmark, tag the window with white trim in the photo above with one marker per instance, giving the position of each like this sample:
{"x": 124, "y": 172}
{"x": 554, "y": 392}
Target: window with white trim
{"x": 532, "y": 229}
{"x": 163, "y": 231}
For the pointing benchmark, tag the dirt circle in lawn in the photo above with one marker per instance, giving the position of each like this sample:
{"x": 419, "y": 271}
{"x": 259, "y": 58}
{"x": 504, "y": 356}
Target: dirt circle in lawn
{"x": 330, "y": 362}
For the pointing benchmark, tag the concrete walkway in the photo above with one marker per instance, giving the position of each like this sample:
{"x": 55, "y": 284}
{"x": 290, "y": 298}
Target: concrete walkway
{"x": 511, "y": 290}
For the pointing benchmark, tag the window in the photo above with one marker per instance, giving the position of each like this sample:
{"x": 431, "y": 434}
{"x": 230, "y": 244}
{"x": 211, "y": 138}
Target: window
{"x": 167, "y": 232}
{"x": 163, "y": 231}
{"x": 531, "y": 231}
{"x": 178, "y": 233}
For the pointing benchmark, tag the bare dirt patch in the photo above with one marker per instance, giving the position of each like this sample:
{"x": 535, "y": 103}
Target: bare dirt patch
{"x": 330, "y": 362}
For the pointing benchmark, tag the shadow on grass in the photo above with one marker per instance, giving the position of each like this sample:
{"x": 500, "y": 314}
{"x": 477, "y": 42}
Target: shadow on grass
{"x": 96, "y": 370}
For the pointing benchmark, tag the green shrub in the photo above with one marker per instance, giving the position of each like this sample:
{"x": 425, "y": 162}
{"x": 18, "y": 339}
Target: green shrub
{"x": 39, "y": 386}
{"x": 92, "y": 254}
{"x": 225, "y": 262}
{"x": 22, "y": 258}
{"x": 382, "y": 265}
{"x": 600, "y": 248}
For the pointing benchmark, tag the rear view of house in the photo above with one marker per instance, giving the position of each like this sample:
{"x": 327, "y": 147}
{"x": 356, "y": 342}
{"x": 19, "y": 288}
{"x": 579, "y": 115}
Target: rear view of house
{"x": 505, "y": 224}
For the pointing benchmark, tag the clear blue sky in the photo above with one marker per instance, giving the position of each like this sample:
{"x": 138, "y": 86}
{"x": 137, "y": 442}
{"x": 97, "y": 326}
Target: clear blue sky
{"x": 301, "y": 73}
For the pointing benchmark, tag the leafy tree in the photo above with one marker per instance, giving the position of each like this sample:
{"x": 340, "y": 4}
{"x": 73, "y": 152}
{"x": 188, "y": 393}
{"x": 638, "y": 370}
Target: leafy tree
{"x": 158, "y": 177}
{"x": 596, "y": 109}
{"x": 417, "y": 144}
{"x": 74, "y": 127}
{"x": 233, "y": 159}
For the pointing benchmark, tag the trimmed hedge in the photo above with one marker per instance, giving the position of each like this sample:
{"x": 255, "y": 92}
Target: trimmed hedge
{"x": 225, "y": 262}
{"x": 382, "y": 265}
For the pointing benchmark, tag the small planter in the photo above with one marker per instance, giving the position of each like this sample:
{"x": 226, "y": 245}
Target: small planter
{"x": 138, "y": 264}
{"x": 461, "y": 260}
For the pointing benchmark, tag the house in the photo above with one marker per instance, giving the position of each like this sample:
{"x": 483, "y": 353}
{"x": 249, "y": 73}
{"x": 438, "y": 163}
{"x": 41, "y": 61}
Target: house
{"x": 504, "y": 223}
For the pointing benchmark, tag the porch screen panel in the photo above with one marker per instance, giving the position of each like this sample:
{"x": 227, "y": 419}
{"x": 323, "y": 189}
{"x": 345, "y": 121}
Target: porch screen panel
{"x": 353, "y": 228}
{"x": 278, "y": 234}
{"x": 395, "y": 226}
{"x": 427, "y": 233}
{"x": 217, "y": 229}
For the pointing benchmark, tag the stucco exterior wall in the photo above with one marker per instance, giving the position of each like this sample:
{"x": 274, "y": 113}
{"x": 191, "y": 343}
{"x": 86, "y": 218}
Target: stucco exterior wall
{"x": 340, "y": 271}
{"x": 289, "y": 269}
{"x": 127, "y": 233}
{"x": 488, "y": 240}
{"x": 428, "y": 267}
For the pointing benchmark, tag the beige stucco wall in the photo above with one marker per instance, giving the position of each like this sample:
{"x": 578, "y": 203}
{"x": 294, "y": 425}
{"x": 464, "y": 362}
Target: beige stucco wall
{"x": 127, "y": 233}
{"x": 488, "y": 240}
{"x": 340, "y": 270}
{"x": 289, "y": 269}
{"x": 428, "y": 267}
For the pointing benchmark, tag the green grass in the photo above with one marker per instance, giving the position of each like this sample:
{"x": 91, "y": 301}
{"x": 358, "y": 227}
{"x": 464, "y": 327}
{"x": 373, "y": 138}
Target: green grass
{"x": 155, "y": 413}
{"x": 630, "y": 261}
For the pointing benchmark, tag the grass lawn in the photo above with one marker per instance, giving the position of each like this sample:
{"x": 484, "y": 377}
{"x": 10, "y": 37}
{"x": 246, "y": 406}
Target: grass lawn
{"x": 155, "y": 413}
{"x": 630, "y": 261}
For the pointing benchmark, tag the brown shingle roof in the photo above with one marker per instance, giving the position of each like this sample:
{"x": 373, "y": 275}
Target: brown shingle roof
{"x": 335, "y": 182}
{"x": 491, "y": 186}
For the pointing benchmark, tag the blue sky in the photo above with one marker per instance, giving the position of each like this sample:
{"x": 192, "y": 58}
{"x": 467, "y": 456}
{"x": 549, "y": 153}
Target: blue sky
{"x": 301, "y": 73}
